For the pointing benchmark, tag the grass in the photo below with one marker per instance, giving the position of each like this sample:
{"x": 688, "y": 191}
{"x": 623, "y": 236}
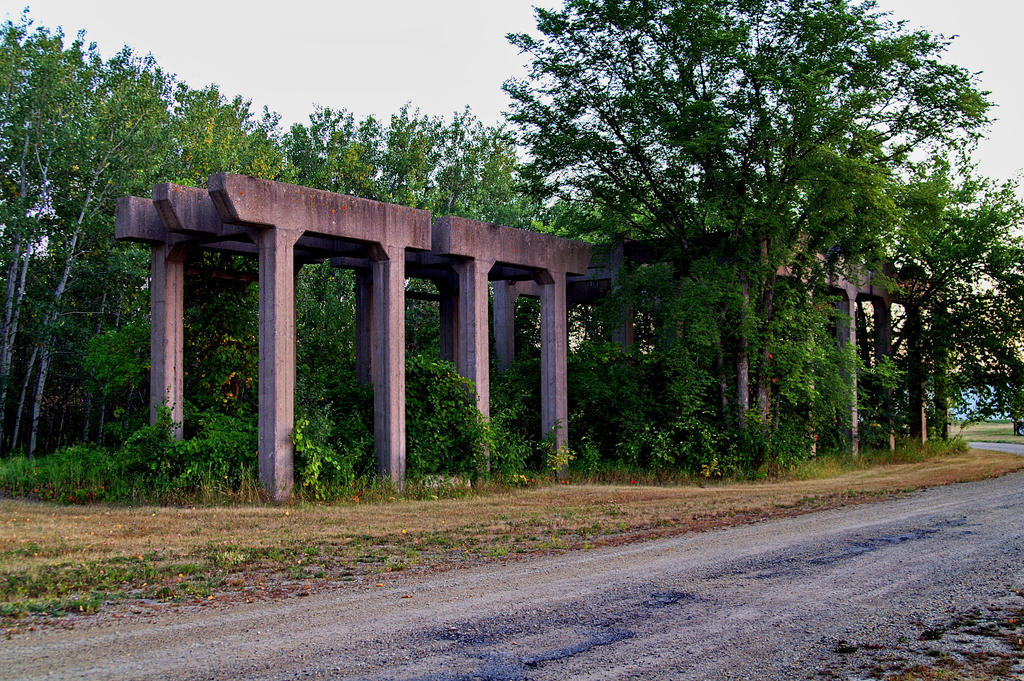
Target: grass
{"x": 61, "y": 559}
{"x": 989, "y": 431}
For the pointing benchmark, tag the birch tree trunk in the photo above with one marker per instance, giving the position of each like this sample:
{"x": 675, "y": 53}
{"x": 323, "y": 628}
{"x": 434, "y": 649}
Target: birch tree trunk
{"x": 21, "y": 400}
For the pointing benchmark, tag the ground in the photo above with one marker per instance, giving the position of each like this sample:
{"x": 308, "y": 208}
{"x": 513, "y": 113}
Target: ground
{"x": 851, "y": 592}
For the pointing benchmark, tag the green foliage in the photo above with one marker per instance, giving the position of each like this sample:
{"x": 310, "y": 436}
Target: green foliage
{"x": 739, "y": 139}
{"x": 330, "y": 459}
{"x": 224, "y": 449}
{"x": 116, "y": 360}
{"x": 444, "y": 430}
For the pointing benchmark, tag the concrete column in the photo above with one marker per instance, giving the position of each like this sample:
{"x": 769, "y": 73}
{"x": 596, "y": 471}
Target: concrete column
{"x": 448, "y": 310}
{"x": 554, "y": 362}
{"x": 883, "y": 348}
{"x": 474, "y": 350}
{"x": 277, "y": 360}
{"x": 364, "y": 326}
{"x": 166, "y": 332}
{"x": 846, "y": 334}
{"x": 622, "y": 334}
{"x": 505, "y": 295}
{"x": 388, "y": 266}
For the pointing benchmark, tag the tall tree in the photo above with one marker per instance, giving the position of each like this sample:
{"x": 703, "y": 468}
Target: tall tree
{"x": 749, "y": 135}
{"x": 961, "y": 280}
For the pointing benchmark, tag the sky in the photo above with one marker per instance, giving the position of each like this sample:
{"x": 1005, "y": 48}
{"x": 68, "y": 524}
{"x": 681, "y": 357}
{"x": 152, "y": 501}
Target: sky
{"x": 373, "y": 56}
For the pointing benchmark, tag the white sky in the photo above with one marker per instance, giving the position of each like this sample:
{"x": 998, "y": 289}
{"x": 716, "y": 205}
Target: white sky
{"x": 372, "y": 56}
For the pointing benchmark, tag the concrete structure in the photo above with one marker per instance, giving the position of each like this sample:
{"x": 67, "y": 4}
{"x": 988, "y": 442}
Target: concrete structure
{"x": 285, "y": 226}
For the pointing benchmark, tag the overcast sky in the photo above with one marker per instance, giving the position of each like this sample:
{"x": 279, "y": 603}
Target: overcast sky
{"x": 372, "y": 56}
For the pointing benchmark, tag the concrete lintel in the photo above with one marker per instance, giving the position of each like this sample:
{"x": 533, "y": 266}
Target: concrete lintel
{"x": 350, "y": 263}
{"x": 190, "y": 210}
{"x": 506, "y": 245}
{"x": 138, "y": 220}
{"x": 276, "y": 360}
{"x": 389, "y": 362}
{"x": 252, "y": 201}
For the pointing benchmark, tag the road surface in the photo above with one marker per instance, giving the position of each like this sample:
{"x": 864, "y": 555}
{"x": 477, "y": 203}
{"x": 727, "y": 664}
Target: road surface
{"x": 786, "y": 599}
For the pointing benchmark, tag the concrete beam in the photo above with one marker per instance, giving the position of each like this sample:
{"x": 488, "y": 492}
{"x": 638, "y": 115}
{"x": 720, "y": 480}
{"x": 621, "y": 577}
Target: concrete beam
{"x": 190, "y": 210}
{"x": 389, "y": 361}
{"x": 505, "y": 245}
{"x": 137, "y": 220}
{"x": 251, "y": 201}
{"x": 276, "y": 360}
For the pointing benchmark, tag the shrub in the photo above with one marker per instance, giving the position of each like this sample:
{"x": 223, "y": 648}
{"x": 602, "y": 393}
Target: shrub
{"x": 445, "y": 433}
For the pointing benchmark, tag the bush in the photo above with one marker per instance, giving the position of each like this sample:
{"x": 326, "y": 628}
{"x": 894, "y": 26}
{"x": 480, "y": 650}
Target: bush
{"x": 224, "y": 447}
{"x": 444, "y": 430}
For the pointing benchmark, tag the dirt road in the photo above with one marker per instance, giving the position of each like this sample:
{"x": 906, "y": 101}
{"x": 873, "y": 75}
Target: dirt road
{"x": 785, "y": 599}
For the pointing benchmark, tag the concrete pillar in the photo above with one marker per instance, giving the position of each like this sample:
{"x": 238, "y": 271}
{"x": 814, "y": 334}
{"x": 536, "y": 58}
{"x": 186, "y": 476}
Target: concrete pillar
{"x": 448, "y": 310}
{"x": 388, "y": 266}
{"x": 277, "y": 359}
{"x": 166, "y": 332}
{"x": 364, "y": 326}
{"x": 505, "y": 295}
{"x": 846, "y": 334}
{"x": 623, "y": 333}
{"x": 883, "y": 348}
{"x": 554, "y": 358}
{"x": 474, "y": 349}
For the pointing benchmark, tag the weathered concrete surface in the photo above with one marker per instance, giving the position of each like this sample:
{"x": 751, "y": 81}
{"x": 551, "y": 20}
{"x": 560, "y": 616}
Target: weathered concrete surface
{"x": 191, "y": 211}
{"x": 250, "y": 201}
{"x": 138, "y": 220}
{"x": 535, "y": 250}
{"x": 846, "y": 335}
{"x": 554, "y": 360}
{"x": 504, "y": 304}
{"x": 277, "y": 360}
{"x": 448, "y": 311}
{"x": 473, "y": 348}
{"x": 389, "y": 361}
{"x": 769, "y": 601}
{"x": 167, "y": 332}
{"x": 364, "y": 326}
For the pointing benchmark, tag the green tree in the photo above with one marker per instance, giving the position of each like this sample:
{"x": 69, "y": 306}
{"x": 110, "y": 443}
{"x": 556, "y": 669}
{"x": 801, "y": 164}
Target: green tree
{"x": 961, "y": 280}
{"x": 79, "y": 131}
{"x": 744, "y": 136}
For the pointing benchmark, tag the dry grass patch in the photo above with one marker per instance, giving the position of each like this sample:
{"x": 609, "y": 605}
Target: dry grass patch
{"x": 56, "y": 558}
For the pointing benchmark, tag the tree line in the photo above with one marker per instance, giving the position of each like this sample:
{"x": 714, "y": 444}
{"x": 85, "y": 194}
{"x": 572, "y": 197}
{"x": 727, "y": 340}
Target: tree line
{"x": 736, "y": 138}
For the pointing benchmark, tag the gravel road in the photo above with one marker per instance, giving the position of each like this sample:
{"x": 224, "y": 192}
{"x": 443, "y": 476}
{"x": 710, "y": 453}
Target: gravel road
{"x": 999, "y": 447}
{"x": 818, "y": 594}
